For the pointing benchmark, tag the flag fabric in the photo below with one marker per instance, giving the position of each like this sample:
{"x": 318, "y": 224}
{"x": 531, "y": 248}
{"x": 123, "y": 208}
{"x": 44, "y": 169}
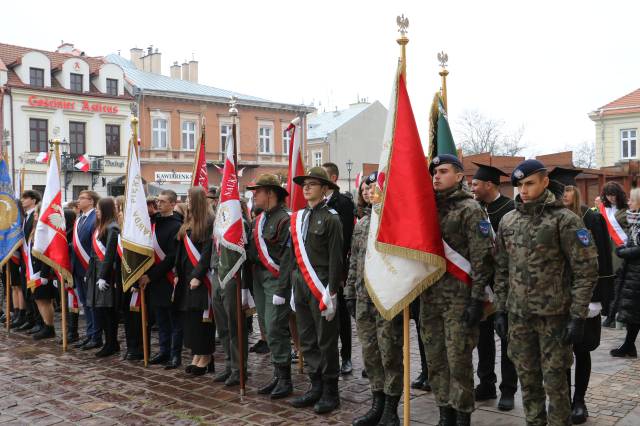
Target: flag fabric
{"x": 229, "y": 229}
{"x": 440, "y": 137}
{"x": 11, "y": 235}
{"x": 137, "y": 244}
{"x": 200, "y": 174}
{"x": 358, "y": 180}
{"x": 42, "y": 157}
{"x": 82, "y": 164}
{"x": 296, "y": 200}
{"x": 50, "y": 243}
{"x": 405, "y": 254}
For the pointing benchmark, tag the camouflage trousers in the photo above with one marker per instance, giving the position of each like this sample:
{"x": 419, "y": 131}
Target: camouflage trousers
{"x": 541, "y": 360}
{"x": 381, "y": 348}
{"x": 449, "y": 348}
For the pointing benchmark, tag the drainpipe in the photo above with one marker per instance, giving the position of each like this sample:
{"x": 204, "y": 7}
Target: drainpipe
{"x": 13, "y": 140}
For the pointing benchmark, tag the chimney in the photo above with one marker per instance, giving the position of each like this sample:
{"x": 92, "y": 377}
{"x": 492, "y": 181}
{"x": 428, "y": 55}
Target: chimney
{"x": 193, "y": 70}
{"x": 156, "y": 63}
{"x": 185, "y": 71}
{"x": 136, "y": 57}
{"x": 175, "y": 70}
{"x": 65, "y": 48}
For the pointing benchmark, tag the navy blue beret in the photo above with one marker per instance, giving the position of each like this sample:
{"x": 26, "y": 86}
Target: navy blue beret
{"x": 373, "y": 177}
{"x": 441, "y": 159}
{"x": 525, "y": 169}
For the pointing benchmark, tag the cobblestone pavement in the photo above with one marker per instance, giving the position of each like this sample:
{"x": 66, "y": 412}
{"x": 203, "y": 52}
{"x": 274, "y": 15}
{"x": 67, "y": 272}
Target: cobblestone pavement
{"x": 39, "y": 385}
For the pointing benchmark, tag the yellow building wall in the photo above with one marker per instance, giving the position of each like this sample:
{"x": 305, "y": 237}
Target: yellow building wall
{"x": 609, "y": 141}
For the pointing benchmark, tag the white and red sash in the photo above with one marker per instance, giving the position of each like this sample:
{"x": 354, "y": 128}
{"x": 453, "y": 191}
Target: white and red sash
{"x": 460, "y": 267}
{"x": 72, "y": 300}
{"x": 119, "y": 247}
{"x": 261, "y": 246}
{"x": 99, "y": 248}
{"x": 33, "y": 278}
{"x": 135, "y": 302}
{"x": 15, "y": 256}
{"x": 159, "y": 254}
{"x": 616, "y": 232}
{"x": 80, "y": 252}
{"x": 319, "y": 291}
{"x": 194, "y": 258}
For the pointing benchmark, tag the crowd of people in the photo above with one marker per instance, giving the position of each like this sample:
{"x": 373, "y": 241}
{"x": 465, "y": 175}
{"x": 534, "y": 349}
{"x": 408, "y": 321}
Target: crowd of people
{"x": 543, "y": 269}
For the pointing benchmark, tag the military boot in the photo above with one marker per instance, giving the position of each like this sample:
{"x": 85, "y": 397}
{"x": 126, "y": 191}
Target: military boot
{"x": 46, "y": 332}
{"x": 463, "y": 419}
{"x": 372, "y": 417}
{"x": 271, "y": 384}
{"x": 330, "y": 399}
{"x": 447, "y": 416}
{"x": 312, "y": 395}
{"x": 19, "y": 319}
{"x": 390, "y": 413}
{"x": 284, "y": 387}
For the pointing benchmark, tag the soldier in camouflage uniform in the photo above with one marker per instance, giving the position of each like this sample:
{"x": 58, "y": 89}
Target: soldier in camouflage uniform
{"x": 453, "y": 306}
{"x": 381, "y": 340}
{"x": 546, "y": 264}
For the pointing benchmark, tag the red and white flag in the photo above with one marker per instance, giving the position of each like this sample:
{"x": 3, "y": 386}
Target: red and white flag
{"x": 50, "y": 241}
{"x": 405, "y": 253}
{"x": 200, "y": 174}
{"x": 229, "y": 229}
{"x": 42, "y": 157}
{"x": 82, "y": 164}
{"x": 296, "y": 200}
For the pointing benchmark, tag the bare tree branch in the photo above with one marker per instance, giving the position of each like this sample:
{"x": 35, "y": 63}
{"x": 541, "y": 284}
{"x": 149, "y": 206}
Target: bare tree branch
{"x": 478, "y": 133}
{"x": 584, "y": 155}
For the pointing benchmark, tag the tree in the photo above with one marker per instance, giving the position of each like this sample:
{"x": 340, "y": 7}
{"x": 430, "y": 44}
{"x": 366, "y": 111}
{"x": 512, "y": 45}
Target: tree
{"x": 584, "y": 155}
{"x": 478, "y": 133}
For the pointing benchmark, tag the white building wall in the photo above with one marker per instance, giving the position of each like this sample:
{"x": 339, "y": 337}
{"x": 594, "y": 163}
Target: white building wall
{"x": 34, "y": 60}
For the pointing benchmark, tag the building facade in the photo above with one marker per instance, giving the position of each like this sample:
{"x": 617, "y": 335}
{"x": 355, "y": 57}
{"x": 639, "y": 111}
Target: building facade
{"x": 68, "y": 95}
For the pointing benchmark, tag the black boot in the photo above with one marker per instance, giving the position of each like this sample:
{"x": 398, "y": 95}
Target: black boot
{"x": 390, "y": 413}
{"x": 312, "y": 395}
{"x": 330, "y": 399}
{"x": 271, "y": 384}
{"x": 463, "y": 419}
{"x": 46, "y": 332}
{"x": 284, "y": 387}
{"x": 18, "y": 319}
{"x": 447, "y": 416}
{"x": 624, "y": 351}
{"x": 372, "y": 417}
{"x": 72, "y": 327}
{"x": 579, "y": 412}
{"x": 35, "y": 329}
{"x": 485, "y": 392}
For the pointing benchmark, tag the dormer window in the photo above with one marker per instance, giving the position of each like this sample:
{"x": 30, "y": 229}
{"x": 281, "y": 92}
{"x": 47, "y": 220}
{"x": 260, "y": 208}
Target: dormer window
{"x": 36, "y": 77}
{"x": 76, "y": 82}
{"x": 112, "y": 86}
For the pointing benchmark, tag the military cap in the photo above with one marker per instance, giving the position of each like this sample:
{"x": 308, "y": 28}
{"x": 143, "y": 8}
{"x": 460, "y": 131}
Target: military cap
{"x": 270, "y": 181}
{"x": 373, "y": 177}
{"x": 488, "y": 174}
{"x": 316, "y": 173}
{"x": 525, "y": 169}
{"x": 441, "y": 159}
{"x": 213, "y": 193}
{"x": 566, "y": 177}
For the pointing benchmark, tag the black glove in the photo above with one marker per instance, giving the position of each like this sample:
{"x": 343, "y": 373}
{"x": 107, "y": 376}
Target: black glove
{"x": 472, "y": 313}
{"x": 351, "y": 307}
{"x": 573, "y": 332}
{"x": 501, "y": 325}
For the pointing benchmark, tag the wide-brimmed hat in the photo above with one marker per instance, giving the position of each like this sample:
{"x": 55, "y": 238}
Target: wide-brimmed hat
{"x": 316, "y": 173}
{"x": 267, "y": 180}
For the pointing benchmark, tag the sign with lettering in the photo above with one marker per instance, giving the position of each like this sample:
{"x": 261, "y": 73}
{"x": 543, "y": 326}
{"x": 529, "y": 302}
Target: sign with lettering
{"x": 113, "y": 163}
{"x": 182, "y": 177}
{"x": 84, "y": 106}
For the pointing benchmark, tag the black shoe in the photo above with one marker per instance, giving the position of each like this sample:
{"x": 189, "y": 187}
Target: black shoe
{"x": 312, "y": 395}
{"x": 106, "y": 351}
{"x": 463, "y": 419}
{"x": 233, "y": 379}
{"x": 609, "y": 322}
{"x": 35, "y": 329}
{"x": 284, "y": 387}
{"x": 189, "y": 368}
{"x": 346, "y": 367}
{"x": 81, "y": 343}
{"x": 624, "y": 352}
{"x": 372, "y": 417}
{"x": 174, "y": 363}
{"x": 364, "y": 374}
{"x": 18, "y": 319}
{"x": 198, "y": 371}
{"x": 27, "y": 325}
{"x": 222, "y": 376}
{"x": 390, "y": 412}
{"x": 261, "y": 347}
{"x": 506, "y": 402}
{"x": 447, "y": 416}
{"x": 72, "y": 338}
{"x": 46, "y": 332}
{"x": 159, "y": 359}
{"x": 270, "y": 385}
{"x": 91, "y": 345}
{"x": 485, "y": 392}
{"x": 330, "y": 399}
{"x": 579, "y": 413}
{"x": 135, "y": 356}
{"x": 211, "y": 367}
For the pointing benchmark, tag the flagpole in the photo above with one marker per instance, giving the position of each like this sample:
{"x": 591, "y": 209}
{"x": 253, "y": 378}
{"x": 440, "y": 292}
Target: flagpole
{"x": 7, "y": 284}
{"x": 443, "y": 58}
{"x": 403, "y": 24}
{"x": 233, "y": 111}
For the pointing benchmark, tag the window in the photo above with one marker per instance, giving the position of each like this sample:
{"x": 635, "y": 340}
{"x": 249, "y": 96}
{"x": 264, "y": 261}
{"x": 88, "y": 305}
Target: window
{"x": 39, "y": 188}
{"x": 264, "y": 136}
{"x": 76, "y": 138}
{"x": 188, "y": 135}
{"x": 76, "y": 82}
{"x": 286, "y": 140}
{"x": 36, "y": 77}
{"x": 38, "y": 134}
{"x": 77, "y": 189}
{"x": 629, "y": 139}
{"x": 159, "y": 133}
{"x": 112, "y": 87}
{"x": 225, "y": 134}
{"x": 317, "y": 158}
{"x": 112, "y": 137}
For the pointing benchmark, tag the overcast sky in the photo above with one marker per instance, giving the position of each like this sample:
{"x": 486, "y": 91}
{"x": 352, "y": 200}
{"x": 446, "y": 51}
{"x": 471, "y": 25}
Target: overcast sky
{"x": 542, "y": 64}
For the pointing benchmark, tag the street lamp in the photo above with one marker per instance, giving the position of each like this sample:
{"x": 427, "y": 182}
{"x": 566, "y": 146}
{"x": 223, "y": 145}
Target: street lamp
{"x": 349, "y": 167}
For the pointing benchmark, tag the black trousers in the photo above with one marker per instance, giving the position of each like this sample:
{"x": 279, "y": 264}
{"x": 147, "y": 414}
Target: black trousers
{"x": 487, "y": 360}
{"x": 344, "y": 327}
{"x": 108, "y": 320}
{"x": 415, "y": 316}
{"x": 132, "y": 326}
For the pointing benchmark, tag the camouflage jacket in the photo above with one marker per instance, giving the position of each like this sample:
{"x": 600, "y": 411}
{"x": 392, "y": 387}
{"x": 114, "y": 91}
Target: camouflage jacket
{"x": 546, "y": 261}
{"x": 467, "y": 230}
{"x": 355, "y": 287}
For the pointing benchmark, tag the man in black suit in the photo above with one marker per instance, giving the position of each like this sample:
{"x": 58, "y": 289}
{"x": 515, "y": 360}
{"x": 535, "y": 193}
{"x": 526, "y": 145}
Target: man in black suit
{"x": 345, "y": 208}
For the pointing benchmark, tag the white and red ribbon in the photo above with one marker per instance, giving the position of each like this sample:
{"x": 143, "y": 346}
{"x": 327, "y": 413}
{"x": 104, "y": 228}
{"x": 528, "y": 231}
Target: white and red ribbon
{"x": 72, "y": 300}
{"x": 159, "y": 254}
{"x": 119, "y": 247}
{"x": 33, "y": 278}
{"x": 99, "y": 248}
{"x": 616, "y": 232}
{"x": 135, "y": 302}
{"x": 78, "y": 249}
{"x": 194, "y": 258}
{"x": 261, "y": 246}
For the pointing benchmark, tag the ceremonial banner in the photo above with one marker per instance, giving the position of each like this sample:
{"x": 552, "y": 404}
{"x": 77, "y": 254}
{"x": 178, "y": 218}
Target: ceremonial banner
{"x": 200, "y": 174}
{"x": 405, "y": 254}
{"x": 50, "y": 240}
{"x": 296, "y": 200}
{"x": 11, "y": 235}
{"x": 137, "y": 245}
{"x": 440, "y": 137}
{"x": 228, "y": 228}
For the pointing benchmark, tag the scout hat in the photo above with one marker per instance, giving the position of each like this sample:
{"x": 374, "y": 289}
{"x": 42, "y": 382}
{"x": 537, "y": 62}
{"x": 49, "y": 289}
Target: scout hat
{"x": 488, "y": 174}
{"x": 317, "y": 173}
{"x": 270, "y": 181}
{"x": 441, "y": 159}
{"x": 526, "y": 169}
